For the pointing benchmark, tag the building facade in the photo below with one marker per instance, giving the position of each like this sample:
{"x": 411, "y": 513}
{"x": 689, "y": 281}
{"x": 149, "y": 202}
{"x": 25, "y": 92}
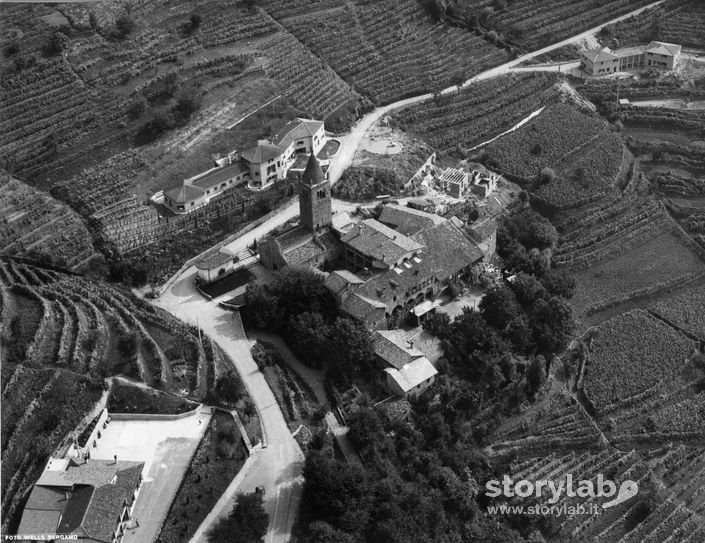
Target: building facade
{"x": 605, "y": 61}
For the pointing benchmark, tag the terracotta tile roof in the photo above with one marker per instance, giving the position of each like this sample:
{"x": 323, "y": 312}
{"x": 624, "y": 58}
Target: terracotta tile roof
{"x": 406, "y": 220}
{"x": 296, "y": 130}
{"x": 213, "y": 260}
{"x": 392, "y": 347}
{"x": 661, "y": 48}
{"x": 379, "y": 242}
{"x": 262, "y": 152}
{"x": 185, "y": 193}
{"x": 599, "y": 55}
{"x": 413, "y": 374}
{"x": 361, "y": 307}
{"x": 303, "y": 253}
{"x": 447, "y": 250}
{"x": 97, "y": 490}
{"x": 101, "y": 518}
{"x": 216, "y": 176}
{"x": 338, "y": 280}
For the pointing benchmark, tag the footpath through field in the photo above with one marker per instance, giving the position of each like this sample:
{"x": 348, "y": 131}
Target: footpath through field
{"x": 278, "y": 467}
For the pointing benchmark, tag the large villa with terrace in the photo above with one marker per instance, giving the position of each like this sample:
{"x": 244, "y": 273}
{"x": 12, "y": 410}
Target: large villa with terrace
{"x": 260, "y": 166}
{"x": 605, "y": 61}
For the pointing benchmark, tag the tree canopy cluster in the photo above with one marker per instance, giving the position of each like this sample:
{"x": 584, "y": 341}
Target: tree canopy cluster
{"x": 298, "y": 307}
{"x": 246, "y": 523}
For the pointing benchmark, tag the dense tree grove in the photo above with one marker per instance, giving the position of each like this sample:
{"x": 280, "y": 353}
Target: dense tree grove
{"x": 247, "y": 522}
{"x": 299, "y": 308}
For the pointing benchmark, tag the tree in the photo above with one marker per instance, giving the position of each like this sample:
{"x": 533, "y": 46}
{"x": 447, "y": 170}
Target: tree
{"x": 350, "y": 352}
{"x": 247, "y": 523}
{"x": 553, "y": 325}
{"x": 527, "y": 289}
{"x": 365, "y": 429}
{"x": 559, "y": 283}
{"x": 499, "y": 307}
{"x": 136, "y": 107}
{"x": 492, "y": 36}
{"x": 535, "y": 375}
{"x": 55, "y": 44}
{"x": 547, "y": 175}
{"x": 309, "y": 338}
{"x": 124, "y": 24}
{"x": 438, "y": 324}
{"x": 187, "y": 103}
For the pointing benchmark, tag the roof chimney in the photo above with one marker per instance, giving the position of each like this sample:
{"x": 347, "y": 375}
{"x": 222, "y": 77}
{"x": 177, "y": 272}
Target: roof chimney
{"x": 411, "y": 343}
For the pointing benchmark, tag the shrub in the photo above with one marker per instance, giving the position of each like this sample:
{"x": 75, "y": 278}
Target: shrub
{"x": 123, "y": 26}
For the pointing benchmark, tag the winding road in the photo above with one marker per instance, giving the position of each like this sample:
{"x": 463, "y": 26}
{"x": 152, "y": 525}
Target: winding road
{"x": 278, "y": 467}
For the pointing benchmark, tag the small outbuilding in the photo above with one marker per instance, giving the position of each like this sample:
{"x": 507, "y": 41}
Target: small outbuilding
{"x": 214, "y": 266}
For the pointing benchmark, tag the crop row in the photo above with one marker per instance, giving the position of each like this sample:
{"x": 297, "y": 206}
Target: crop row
{"x": 631, "y": 354}
{"x": 544, "y": 141}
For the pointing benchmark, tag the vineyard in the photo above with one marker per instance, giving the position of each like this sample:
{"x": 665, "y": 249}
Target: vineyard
{"x": 686, "y": 311}
{"x": 649, "y": 255}
{"x": 88, "y": 102}
{"x": 479, "y": 112}
{"x": 536, "y": 24}
{"x": 387, "y": 50}
{"x": 629, "y": 357}
{"x": 34, "y": 224}
{"x": 669, "y": 506}
{"x": 62, "y": 334}
{"x": 674, "y": 21}
{"x": 587, "y": 174}
{"x": 545, "y": 141}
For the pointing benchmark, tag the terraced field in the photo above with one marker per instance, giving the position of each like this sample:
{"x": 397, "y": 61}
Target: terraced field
{"x": 61, "y": 335}
{"x": 674, "y": 21}
{"x": 387, "y": 50}
{"x": 479, "y": 112}
{"x": 63, "y": 113}
{"x": 34, "y": 224}
{"x": 669, "y": 506}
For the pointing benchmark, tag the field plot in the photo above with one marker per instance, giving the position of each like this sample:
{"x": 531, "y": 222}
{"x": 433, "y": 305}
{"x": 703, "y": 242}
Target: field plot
{"x": 656, "y": 257}
{"x": 386, "y": 50}
{"x": 532, "y": 25}
{"x": 34, "y": 224}
{"x": 557, "y": 423}
{"x": 668, "y": 507}
{"x": 545, "y": 140}
{"x": 61, "y": 334}
{"x": 629, "y": 356}
{"x": 686, "y": 310}
{"x": 479, "y": 112}
{"x": 587, "y": 174}
{"x": 674, "y": 21}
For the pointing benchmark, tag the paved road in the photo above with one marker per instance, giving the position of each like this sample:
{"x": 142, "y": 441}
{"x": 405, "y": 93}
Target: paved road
{"x": 278, "y": 466}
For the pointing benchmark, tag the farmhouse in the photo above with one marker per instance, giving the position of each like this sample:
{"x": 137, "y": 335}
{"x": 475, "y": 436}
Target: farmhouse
{"x": 407, "y": 371}
{"x": 260, "y": 166}
{"x": 604, "y": 61}
{"x": 91, "y": 499}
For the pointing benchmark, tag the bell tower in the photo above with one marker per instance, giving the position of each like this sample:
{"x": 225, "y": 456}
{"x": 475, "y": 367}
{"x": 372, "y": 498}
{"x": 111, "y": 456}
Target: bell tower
{"x": 314, "y": 196}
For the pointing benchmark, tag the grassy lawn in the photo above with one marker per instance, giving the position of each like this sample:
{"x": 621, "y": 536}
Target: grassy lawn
{"x": 133, "y": 399}
{"x": 219, "y": 457}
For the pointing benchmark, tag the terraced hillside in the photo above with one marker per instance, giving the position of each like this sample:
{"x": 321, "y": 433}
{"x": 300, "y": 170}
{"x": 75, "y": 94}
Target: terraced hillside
{"x": 479, "y": 112}
{"x": 674, "y": 21}
{"x": 61, "y": 336}
{"x": 626, "y": 401}
{"x": 80, "y": 83}
{"x": 536, "y": 23}
{"x": 35, "y": 224}
{"x": 669, "y": 506}
{"x": 386, "y": 50}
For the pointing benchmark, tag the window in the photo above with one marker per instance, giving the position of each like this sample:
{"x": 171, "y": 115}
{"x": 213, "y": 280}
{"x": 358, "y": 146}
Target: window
{"x": 191, "y": 204}
{"x": 208, "y": 191}
{"x": 181, "y": 208}
{"x": 222, "y": 186}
